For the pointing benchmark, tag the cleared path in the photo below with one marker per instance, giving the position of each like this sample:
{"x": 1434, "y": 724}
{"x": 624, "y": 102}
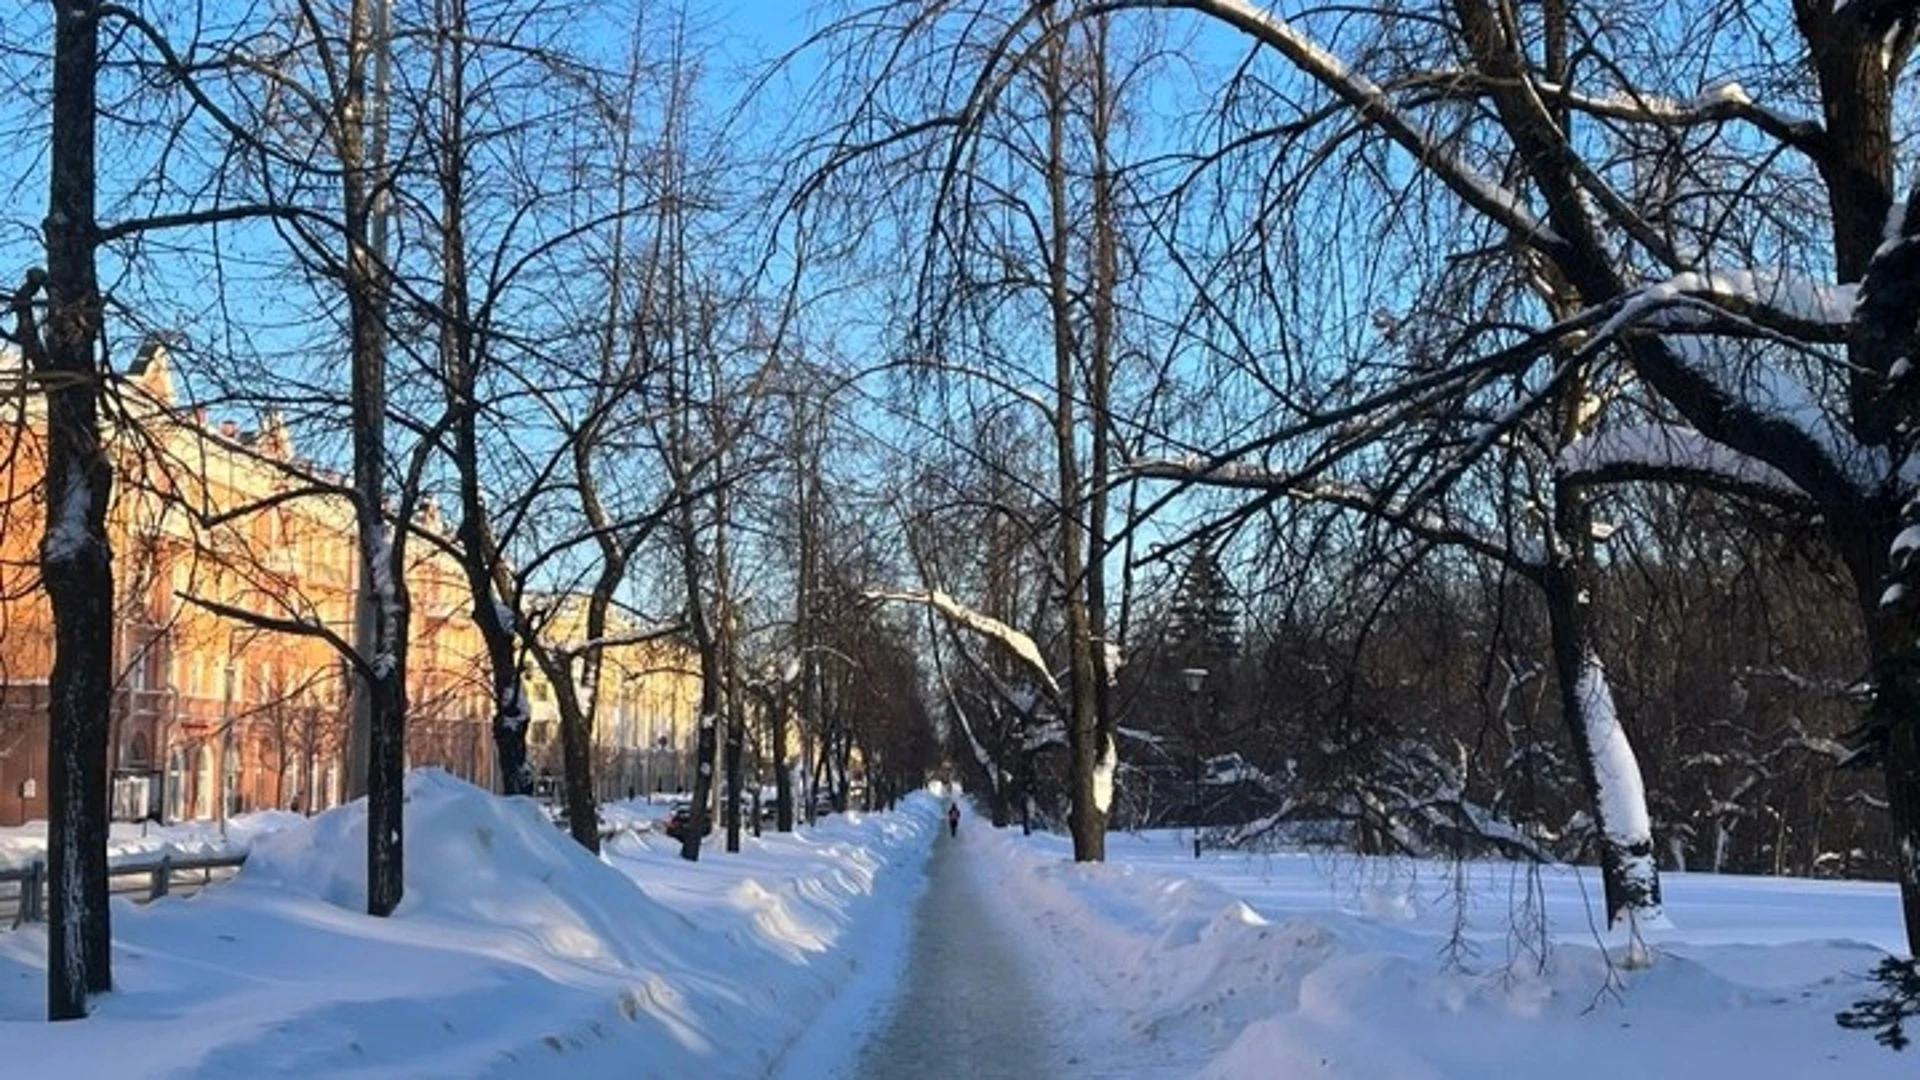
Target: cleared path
{"x": 966, "y": 1010}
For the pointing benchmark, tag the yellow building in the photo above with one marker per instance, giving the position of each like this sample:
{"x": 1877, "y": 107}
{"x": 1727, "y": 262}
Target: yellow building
{"x": 646, "y": 700}
{"x": 211, "y": 714}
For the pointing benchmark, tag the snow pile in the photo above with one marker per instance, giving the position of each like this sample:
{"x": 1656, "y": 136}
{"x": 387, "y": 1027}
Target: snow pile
{"x": 136, "y": 842}
{"x": 1236, "y": 967}
{"x": 477, "y": 859}
{"x": 634, "y": 815}
{"x": 515, "y": 953}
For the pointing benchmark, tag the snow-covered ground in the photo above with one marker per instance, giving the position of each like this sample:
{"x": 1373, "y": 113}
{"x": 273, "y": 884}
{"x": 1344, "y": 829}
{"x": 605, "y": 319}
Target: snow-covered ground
{"x": 517, "y": 955}
{"x": 133, "y": 841}
{"x": 1300, "y": 965}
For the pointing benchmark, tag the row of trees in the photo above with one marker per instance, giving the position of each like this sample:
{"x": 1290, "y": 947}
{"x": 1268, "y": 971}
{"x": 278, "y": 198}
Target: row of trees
{"x": 1422, "y": 313}
{"x": 1483, "y": 348}
{"x": 479, "y": 255}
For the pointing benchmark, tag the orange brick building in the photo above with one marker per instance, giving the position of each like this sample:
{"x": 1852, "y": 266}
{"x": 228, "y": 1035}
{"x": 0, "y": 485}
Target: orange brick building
{"x": 211, "y": 715}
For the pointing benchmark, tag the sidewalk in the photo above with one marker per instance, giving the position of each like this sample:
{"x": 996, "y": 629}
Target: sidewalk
{"x": 967, "y": 1008}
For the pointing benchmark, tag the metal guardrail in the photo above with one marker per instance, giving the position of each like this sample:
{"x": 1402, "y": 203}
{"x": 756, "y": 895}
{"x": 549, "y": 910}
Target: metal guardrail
{"x": 23, "y": 891}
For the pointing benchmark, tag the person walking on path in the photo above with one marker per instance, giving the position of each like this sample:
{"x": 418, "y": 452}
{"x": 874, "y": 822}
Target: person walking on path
{"x": 953, "y": 819}
{"x": 971, "y": 1006}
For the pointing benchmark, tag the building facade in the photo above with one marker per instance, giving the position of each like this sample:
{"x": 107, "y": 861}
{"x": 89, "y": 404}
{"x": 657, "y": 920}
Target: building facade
{"x": 213, "y": 715}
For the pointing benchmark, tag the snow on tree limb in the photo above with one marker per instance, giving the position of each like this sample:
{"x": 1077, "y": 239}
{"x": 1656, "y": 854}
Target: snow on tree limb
{"x": 1669, "y": 452}
{"x": 1774, "y": 407}
{"x": 1015, "y": 642}
{"x": 1623, "y": 794}
{"x": 1718, "y": 103}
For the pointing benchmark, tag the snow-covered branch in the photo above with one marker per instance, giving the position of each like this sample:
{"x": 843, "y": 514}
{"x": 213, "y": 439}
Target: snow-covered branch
{"x": 1664, "y": 452}
{"x": 1015, "y": 642}
{"x": 569, "y": 650}
{"x": 1719, "y": 103}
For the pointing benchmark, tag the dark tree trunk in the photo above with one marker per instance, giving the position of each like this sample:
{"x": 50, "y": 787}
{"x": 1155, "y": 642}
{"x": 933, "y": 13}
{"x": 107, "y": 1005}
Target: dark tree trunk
{"x": 75, "y": 557}
{"x": 736, "y": 746}
{"x": 460, "y": 363}
{"x": 386, "y": 789}
{"x": 576, "y": 753}
{"x": 509, "y": 692}
{"x": 381, "y": 636}
{"x": 1087, "y": 744}
{"x": 1886, "y": 330}
{"x": 782, "y": 778}
{"x": 712, "y": 692}
{"x": 706, "y": 744}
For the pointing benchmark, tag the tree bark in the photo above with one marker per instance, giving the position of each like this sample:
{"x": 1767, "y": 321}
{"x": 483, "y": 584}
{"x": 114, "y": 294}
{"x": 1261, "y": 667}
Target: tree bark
{"x": 1629, "y": 878}
{"x": 1886, "y": 572}
{"x": 383, "y": 659}
{"x": 75, "y": 556}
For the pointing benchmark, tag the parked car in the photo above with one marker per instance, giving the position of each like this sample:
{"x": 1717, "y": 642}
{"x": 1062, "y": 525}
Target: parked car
{"x": 680, "y": 819}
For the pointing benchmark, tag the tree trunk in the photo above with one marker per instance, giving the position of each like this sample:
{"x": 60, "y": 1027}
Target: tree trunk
{"x": 75, "y": 556}
{"x": 1087, "y": 746}
{"x": 736, "y": 739}
{"x": 386, "y": 784}
{"x": 1885, "y": 570}
{"x": 782, "y": 777}
{"x": 705, "y": 746}
{"x": 736, "y": 745}
{"x": 1607, "y": 767}
{"x": 460, "y": 360}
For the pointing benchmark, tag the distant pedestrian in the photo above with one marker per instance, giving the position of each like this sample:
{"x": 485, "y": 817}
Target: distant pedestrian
{"x": 953, "y": 819}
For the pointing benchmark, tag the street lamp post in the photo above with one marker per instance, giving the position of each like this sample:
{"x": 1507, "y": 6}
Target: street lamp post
{"x": 1196, "y": 678}
{"x": 226, "y": 741}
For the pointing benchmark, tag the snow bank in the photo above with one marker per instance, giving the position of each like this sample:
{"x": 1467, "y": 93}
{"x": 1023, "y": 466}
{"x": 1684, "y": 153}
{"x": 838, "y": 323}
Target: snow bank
{"x": 515, "y": 954}
{"x": 478, "y": 859}
{"x": 1237, "y": 967}
{"x": 137, "y": 842}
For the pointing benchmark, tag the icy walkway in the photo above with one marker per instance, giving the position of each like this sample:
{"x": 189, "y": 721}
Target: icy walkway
{"x": 967, "y": 1008}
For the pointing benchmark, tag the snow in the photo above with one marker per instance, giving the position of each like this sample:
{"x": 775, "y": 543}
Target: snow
{"x": 1623, "y": 797}
{"x": 67, "y": 531}
{"x": 1019, "y": 644}
{"x": 1729, "y": 92}
{"x": 1894, "y": 229}
{"x": 1246, "y": 967}
{"x": 1103, "y": 771}
{"x": 1783, "y": 290}
{"x": 134, "y": 842}
{"x": 1774, "y": 394}
{"x": 1908, "y": 540}
{"x": 1667, "y": 447}
{"x": 514, "y": 954}
{"x": 517, "y": 954}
